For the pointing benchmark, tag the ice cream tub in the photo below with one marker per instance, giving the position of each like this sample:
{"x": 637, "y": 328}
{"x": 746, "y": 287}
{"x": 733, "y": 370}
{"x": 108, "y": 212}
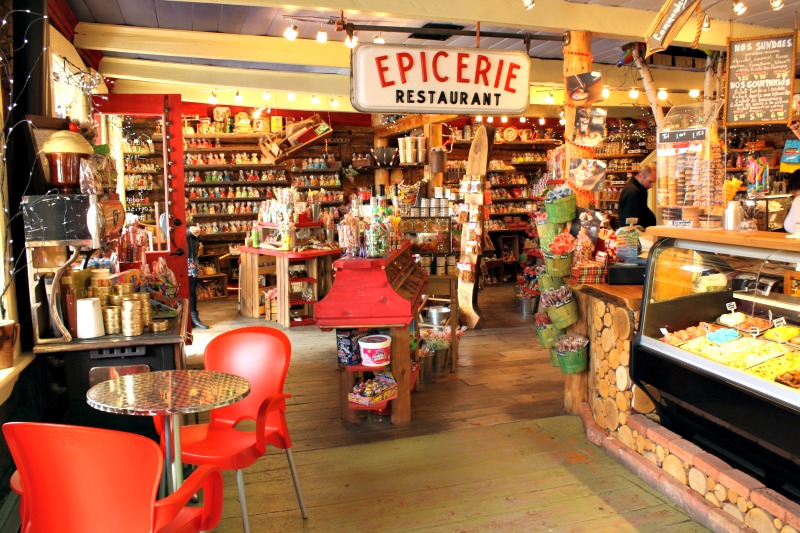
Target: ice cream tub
{"x": 375, "y": 350}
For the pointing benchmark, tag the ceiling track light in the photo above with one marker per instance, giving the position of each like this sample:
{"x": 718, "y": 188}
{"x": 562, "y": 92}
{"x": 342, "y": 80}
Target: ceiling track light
{"x": 523, "y": 120}
{"x": 634, "y": 93}
{"x": 606, "y": 93}
{"x": 378, "y": 39}
{"x": 322, "y": 35}
{"x": 266, "y": 96}
{"x": 504, "y": 119}
{"x": 529, "y": 4}
{"x": 213, "y": 98}
{"x": 238, "y": 98}
{"x": 706, "y": 23}
{"x": 489, "y": 119}
{"x": 352, "y": 39}
{"x": 662, "y": 94}
{"x": 549, "y": 99}
{"x": 314, "y": 99}
{"x": 541, "y": 121}
{"x": 694, "y": 93}
{"x": 738, "y": 7}
{"x": 291, "y": 31}
{"x": 776, "y": 4}
{"x": 334, "y": 103}
{"x": 291, "y": 97}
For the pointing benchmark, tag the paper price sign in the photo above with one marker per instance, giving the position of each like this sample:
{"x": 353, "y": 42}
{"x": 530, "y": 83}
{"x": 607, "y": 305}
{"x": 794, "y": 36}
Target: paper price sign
{"x": 664, "y": 331}
{"x": 778, "y": 322}
{"x": 754, "y": 331}
{"x": 730, "y": 306}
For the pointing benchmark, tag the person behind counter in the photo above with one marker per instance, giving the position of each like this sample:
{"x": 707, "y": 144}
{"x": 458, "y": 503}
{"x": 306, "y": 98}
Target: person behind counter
{"x": 793, "y": 216}
{"x": 633, "y": 198}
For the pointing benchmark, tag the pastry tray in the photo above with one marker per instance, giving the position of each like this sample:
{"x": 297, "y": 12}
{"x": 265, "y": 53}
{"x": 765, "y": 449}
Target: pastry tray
{"x": 746, "y": 331}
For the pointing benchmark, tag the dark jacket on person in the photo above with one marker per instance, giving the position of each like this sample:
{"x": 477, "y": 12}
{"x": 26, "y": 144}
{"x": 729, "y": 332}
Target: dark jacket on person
{"x": 633, "y": 204}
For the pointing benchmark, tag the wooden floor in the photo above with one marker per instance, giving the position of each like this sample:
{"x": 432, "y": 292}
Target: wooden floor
{"x": 486, "y": 449}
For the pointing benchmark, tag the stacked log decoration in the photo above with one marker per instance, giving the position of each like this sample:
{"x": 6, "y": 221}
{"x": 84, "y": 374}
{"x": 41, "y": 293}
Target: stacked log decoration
{"x": 610, "y": 330}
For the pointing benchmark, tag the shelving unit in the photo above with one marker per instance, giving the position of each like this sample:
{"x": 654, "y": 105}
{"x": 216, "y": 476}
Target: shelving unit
{"x": 213, "y": 284}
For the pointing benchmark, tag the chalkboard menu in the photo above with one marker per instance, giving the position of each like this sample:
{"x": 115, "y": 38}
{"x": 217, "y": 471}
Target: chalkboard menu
{"x": 760, "y": 80}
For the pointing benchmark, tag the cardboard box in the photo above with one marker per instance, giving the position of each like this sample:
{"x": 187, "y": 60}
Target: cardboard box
{"x": 592, "y": 272}
{"x": 389, "y": 394}
{"x": 275, "y": 123}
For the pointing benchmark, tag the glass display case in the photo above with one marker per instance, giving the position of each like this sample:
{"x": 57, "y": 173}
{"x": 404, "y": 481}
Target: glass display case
{"x": 428, "y": 235}
{"x": 718, "y": 349}
{"x": 772, "y": 211}
{"x": 690, "y": 171}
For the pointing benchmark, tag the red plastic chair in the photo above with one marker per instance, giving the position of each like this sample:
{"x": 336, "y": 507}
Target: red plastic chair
{"x": 260, "y": 355}
{"x": 82, "y": 480}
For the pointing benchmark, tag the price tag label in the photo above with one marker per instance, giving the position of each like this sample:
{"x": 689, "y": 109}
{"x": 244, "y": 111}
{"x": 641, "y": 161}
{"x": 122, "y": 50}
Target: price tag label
{"x": 664, "y": 332}
{"x": 730, "y": 306}
{"x": 754, "y": 331}
{"x": 770, "y": 314}
{"x": 778, "y": 322}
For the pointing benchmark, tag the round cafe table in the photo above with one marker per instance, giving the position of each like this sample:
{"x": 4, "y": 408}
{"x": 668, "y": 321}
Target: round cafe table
{"x": 168, "y": 393}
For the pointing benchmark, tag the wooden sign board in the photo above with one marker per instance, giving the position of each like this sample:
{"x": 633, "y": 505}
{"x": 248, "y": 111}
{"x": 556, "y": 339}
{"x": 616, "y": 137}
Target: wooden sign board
{"x": 760, "y": 82}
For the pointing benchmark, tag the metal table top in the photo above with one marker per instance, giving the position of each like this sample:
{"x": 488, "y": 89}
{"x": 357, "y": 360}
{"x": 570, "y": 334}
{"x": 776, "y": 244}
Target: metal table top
{"x": 167, "y": 392}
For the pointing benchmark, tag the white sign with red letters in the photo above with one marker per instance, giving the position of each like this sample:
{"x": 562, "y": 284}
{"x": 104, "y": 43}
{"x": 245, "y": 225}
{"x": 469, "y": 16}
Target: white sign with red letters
{"x": 412, "y": 79}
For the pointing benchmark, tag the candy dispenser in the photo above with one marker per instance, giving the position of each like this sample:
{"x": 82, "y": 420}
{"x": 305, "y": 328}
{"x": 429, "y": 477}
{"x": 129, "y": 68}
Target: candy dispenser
{"x": 689, "y": 187}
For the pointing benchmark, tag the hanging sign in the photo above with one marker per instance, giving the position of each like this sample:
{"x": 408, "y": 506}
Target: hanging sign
{"x": 667, "y": 24}
{"x": 760, "y": 80}
{"x": 411, "y": 79}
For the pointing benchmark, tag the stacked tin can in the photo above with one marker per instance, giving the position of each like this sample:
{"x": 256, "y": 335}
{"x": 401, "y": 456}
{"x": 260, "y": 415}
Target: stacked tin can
{"x": 147, "y": 309}
{"x": 112, "y": 319}
{"x": 131, "y": 316}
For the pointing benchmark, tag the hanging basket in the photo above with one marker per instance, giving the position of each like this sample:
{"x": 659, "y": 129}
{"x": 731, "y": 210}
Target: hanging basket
{"x": 574, "y": 362}
{"x": 560, "y": 210}
{"x": 548, "y": 335}
{"x": 547, "y": 234}
{"x": 558, "y": 265}
{"x": 563, "y": 315}
{"x": 554, "y": 357}
{"x": 547, "y": 282}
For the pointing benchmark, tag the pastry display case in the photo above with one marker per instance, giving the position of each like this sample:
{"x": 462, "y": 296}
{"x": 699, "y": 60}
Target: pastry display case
{"x": 718, "y": 350}
{"x": 428, "y": 235}
{"x": 690, "y": 168}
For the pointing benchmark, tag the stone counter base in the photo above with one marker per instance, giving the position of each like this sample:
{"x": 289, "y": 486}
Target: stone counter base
{"x": 712, "y": 492}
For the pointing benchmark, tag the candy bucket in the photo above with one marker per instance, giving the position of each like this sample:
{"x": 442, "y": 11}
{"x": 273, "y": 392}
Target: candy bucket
{"x": 561, "y": 209}
{"x": 558, "y": 265}
{"x": 574, "y": 362}
{"x": 375, "y": 350}
{"x": 548, "y": 335}
{"x": 563, "y": 315}
{"x": 554, "y": 360}
{"x": 547, "y": 282}
{"x": 547, "y": 233}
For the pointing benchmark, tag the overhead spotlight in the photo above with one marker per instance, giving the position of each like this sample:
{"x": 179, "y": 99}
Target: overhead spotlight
{"x": 478, "y": 118}
{"x": 266, "y": 96}
{"x": 523, "y": 120}
{"x": 662, "y": 94}
{"x": 238, "y": 98}
{"x": 562, "y": 121}
{"x": 291, "y": 31}
{"x": 694, "y": 93}
{"x": 549, "y": 99}
{"x": 634, "y": 93}
{"x": 489, "y": 119}
{"x": 351, "y": 41}
{"x": 503, "y": 119}
{"x": 314, "y": 99}
{"x": 606, "y": 92}
{"x": 378, "y": 39}
{"x": 322, "y": 35}
{"x": 291, "y": 97}
{"x": 529, "y": 4}
{"x": 541, "y": 121}
{"x": 706, "y": 23}
{"x": 213, "y": 98}
{"x": 738, "y": 7}
{"x": 334, "y": 103}
{"x": 776, "y": 4}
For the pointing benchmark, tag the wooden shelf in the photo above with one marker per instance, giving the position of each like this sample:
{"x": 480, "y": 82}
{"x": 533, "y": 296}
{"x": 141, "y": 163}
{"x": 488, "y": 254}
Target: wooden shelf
{"x": 211, "y": 200}
{"x": 236, "y": 166}
{"x": 300, "y": 301}
{"x": 364, "y": 368}
{"x": 237, "y": 148}
{"x": 304, "y": 321}
{"x": 257, "y": 183}
{"x": 507, "y": 185}
{"x": 377, "y": 406}
{"x": 298, "y": 225}
{"x": 225, "y": 215}
{"x": 145, "y": 190}
{"x": 335, "y": 168}
{"x": 222, "y": 236}
{"x": 212, "y": 276}
{"x": 159, "y": 171}
{"x": 501, "y": 171}
{"x": 507, "y": 200}
{"x": 220, "y": 136}
{"x": 529, "y": 163}
{"x": 618, "y": 156}
{"x": 153, "y": 154}
{"x": 302, "y": 279}
{"x": 310, "y": 187}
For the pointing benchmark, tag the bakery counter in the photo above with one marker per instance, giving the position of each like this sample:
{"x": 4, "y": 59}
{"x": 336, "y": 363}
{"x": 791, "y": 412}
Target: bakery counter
{"x": 768, "y": 240}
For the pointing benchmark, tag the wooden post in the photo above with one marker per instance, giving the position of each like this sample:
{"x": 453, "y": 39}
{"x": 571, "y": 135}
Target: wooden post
{"x": 401, "y": 370}
{"x": 649, "y": 86}
{"x": 577, "y": 59}
{"x": 433, "y": 134}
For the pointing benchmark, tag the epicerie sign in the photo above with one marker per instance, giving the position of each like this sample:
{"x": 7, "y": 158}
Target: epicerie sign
{"x": 412, "y": 79}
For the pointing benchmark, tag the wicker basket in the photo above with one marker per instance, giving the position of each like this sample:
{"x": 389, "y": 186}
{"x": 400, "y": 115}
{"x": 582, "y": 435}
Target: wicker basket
{"x": 563, "y": 315}
{"x": 560, "y": 210}
{"x": 558, "y": 266}
{"x": 548, "y": 335}
{"x": 547, "y": 282}
{"x": 574, "y": 362}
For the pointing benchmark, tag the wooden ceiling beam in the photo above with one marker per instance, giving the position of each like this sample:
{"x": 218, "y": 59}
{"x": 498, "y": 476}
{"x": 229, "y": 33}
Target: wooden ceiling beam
{"x": 210, "y": 77}
{"x": 612, "y": 22}
{"x": 208, "y": 45}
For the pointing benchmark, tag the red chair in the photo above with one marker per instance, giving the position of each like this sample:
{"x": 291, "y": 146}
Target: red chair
{"x": 260, "y": 355}
{"x": 82, "y": 480}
